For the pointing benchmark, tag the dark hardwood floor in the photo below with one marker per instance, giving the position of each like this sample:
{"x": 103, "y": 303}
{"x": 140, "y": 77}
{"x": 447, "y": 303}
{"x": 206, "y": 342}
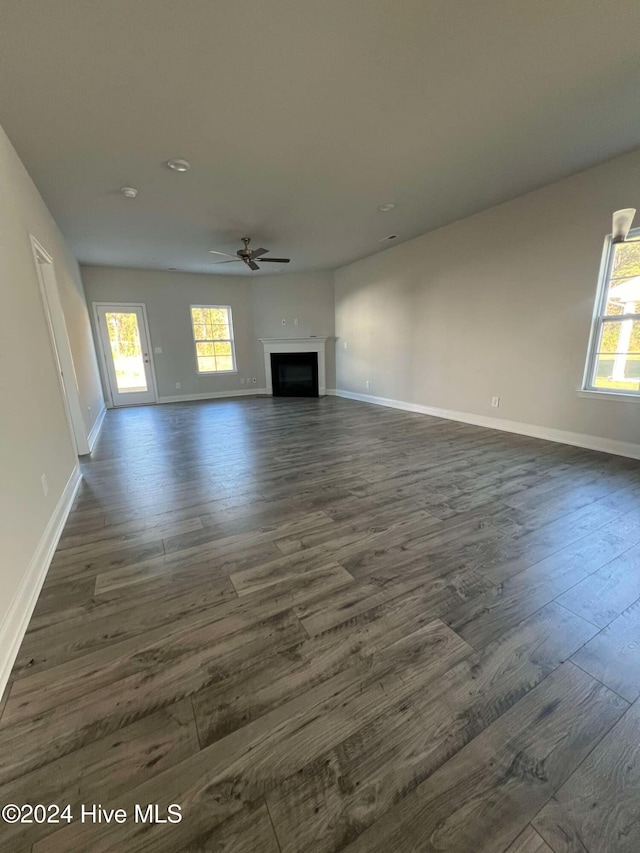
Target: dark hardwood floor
{"x": 319, "y": 625}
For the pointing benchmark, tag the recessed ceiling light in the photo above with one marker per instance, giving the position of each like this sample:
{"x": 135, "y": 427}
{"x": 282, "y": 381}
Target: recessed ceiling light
{"x": 179, "y": 165}
{"x": 129, "y": 192}
{"x": 386, "y": 207}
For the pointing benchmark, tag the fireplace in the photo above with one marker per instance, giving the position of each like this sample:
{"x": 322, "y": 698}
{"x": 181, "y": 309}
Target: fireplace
{"x": 294, "y": 374}
{"x": 311, "y": 347}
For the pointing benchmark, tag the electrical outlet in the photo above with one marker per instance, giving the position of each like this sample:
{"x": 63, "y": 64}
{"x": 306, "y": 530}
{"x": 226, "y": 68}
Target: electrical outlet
{"x": 495, "y": 402}
{"x": 295, "y": 322}
{"x": 367, "y": 384}
{"x": 346, "y": 345}
{"x": 248, "y": 380}
{"x": 177, "y": 386}
{"x": 45, "y": 485}
{"x": 242, "y": 380}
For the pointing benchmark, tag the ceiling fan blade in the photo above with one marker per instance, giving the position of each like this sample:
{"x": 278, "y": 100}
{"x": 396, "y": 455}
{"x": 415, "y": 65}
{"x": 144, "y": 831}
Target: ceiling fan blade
{"x": 224, "y": 254}
{"x": 259, "y": 252}
{"x": 622, "y": 220}
{"x": 230, "y": 261}
{"x": 275, "y": 260}
{"x": 252, "y": 264}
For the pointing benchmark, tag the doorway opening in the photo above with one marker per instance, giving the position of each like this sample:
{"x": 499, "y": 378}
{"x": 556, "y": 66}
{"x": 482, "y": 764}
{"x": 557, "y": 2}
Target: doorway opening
{"x": 61, "y": 347}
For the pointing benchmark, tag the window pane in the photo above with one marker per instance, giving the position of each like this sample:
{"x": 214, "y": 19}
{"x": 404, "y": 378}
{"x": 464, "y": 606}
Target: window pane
{"x": 225, "y": 362}
{"x": 206, "y": 364}
{"x": 199, "y": 331}
{"x": 220, "y": 330}
{"x": 617, "y": 373}
{"x": 126, "y": 351}
{"x": 205, "y": 349}
{"x": 617, "y": 364}
{"x": 623, "y": 296}
{"x": 219, "y": 315}
{"x": 197, "y": 315}
{"x": 613, "y": 309}
{"x": 626, "y": 260}
{"x": 621, "y": 336}
{"x": 222, "y": 348}
{"x": 215, "y": 315}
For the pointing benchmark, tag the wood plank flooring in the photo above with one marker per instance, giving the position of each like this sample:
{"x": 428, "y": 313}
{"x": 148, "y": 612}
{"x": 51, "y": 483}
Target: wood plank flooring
{"x": 319, "y": 625}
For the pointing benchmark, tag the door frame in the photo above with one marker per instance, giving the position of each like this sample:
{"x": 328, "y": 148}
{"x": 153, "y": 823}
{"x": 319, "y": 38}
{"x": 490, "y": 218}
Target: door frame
{"x": 61, "y": 346}
{"x": 104, "y": 370}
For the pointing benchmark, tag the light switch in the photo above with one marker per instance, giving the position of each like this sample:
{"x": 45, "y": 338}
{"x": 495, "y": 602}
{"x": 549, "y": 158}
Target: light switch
{"x": 157, "y": 350}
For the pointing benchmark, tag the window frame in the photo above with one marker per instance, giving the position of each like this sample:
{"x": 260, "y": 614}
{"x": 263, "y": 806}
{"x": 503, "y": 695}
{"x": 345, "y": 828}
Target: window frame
{"x": 230, "y": 340}
{"x": 598, "y": 320}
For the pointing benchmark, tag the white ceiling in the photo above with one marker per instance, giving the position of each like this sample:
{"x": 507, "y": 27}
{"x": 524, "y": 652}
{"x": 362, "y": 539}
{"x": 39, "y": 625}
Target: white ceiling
{"x": 301, "y": 116}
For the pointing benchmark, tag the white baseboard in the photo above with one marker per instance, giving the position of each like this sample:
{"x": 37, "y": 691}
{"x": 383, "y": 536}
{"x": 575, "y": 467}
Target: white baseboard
{"x": 589, "y": 442}
{"x": 16, "y": 621}
{"x": 212, "y": 395}
{"x": 95, "y": 429}
{"x": 330, "y": 392}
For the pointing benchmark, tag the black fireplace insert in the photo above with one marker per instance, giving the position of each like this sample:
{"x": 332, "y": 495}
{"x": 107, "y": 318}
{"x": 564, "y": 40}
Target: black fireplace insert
{"x": 294, "y": 374}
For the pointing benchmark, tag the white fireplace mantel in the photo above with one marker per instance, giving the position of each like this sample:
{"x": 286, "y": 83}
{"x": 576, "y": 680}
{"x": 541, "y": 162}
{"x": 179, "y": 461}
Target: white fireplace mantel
{"x": 315, "y": 344}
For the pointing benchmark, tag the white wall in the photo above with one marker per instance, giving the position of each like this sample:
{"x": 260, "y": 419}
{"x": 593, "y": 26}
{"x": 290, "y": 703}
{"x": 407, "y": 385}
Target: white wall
{"x": 497, "y": 304}
{"x": 258, "y": 306}
{"x": 34, "y": 433}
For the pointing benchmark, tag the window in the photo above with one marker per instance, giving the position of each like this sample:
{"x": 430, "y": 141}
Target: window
{"x": 213, "y": 337}
{"x": 613, "y": 365}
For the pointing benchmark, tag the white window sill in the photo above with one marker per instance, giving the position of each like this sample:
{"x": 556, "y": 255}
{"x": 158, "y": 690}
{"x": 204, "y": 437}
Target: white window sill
{"x": 609, "y": 395}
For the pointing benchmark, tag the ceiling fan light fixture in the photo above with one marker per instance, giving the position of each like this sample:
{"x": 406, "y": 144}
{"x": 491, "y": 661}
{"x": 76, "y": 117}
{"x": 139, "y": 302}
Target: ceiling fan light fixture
{"x": 129, "y": 192}
{"x": 386, "y": 207}
{"x": 179, "y": 165}
{"x": 621, "y": 225}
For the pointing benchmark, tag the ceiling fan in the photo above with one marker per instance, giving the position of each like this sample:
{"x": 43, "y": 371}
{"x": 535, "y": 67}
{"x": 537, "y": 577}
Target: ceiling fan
{"x": 248, "y": 256}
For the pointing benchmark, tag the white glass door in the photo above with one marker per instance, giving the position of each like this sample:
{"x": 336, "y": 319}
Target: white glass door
{"x": 126, "y": 352}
